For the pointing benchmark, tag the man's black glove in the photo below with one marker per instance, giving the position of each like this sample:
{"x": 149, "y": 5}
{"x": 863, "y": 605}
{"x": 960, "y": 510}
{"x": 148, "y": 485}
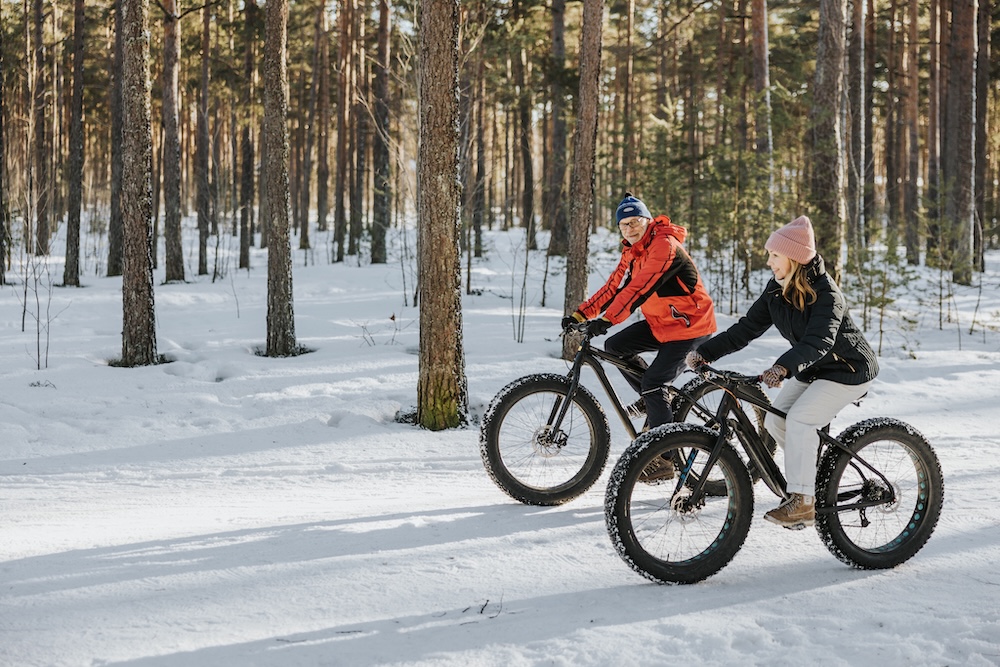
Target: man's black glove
{"x": 598, "y": 327}
{"x": 570, "y": 320}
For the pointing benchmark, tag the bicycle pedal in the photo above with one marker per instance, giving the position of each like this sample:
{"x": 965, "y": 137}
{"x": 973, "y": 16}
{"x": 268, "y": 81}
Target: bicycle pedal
{"x": 796, "y": 526}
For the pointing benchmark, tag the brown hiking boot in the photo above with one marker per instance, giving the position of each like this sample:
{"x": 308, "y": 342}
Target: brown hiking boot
{"x": 795, "y": 512}
{"x": 658, "y": 470}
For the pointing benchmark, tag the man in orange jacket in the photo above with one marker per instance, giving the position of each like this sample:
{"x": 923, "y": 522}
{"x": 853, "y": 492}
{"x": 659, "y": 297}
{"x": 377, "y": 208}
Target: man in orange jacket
{"x": 658, "y": 276}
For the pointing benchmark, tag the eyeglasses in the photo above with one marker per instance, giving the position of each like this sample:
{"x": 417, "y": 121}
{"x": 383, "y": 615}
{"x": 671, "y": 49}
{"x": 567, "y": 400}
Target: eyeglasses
{"x": 635, "y": 222}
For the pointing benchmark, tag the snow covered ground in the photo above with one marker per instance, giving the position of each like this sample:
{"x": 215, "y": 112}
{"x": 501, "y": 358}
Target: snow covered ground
{"x": 229, "y": 509}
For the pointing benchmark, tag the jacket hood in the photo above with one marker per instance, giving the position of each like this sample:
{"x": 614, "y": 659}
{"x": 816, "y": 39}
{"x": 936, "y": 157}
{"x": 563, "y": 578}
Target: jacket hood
{"x": 815, "y": 268}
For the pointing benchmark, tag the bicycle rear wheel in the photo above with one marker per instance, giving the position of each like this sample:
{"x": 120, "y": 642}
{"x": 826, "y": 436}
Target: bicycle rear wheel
{"x": 656, "y": 528}
{"x": 884, "y": 535}
{"x": 530, "y": 460}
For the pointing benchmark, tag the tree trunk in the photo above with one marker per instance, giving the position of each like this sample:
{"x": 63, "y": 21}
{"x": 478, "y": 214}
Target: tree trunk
{"x": 360, "y": 124}
{"x": 892, "y": 126}
{"x": 4, "y": 177}
{"x": 442, "y": 399}
{"x": 868, "y": 196}
{"x": 310, "y": 131}
{"x": 556, "y": 205}
{"x": 581, "y": 193}
{"x": 139, "y": 314}
{"x": 934, "y": 135}
{"x": 762, "y": 89}
{"x": 115, "y": 224}
{"x": 323, "y": 133}
{"x": 343, "y": 128}
{"x": 982, "y": 131}
{"x": 479, "y": 193}
{"x": 825, "y": 137}
{"x": 247, "y": 150}
{"x": 173, "y": 246}
{"x": 280, "y": 313}
{"x": 911, "y": 200}
{"x": 380, "y": 148}
{"x": 202, "y": 148}
{"x": 71, "y": 270}
{"x": 960, "y": 135}
{"x": 41, "y": 142}
{"x": 856, "y": 93}
{"x": 527, "y": 166}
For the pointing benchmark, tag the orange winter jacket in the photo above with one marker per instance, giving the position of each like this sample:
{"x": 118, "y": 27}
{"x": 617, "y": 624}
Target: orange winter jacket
{"x": 658, "y": 276}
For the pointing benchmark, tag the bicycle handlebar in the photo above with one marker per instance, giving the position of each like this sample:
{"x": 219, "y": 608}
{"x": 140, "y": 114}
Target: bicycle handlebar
{"x": 580, "y": 328}
{"x": 710, "y": 373}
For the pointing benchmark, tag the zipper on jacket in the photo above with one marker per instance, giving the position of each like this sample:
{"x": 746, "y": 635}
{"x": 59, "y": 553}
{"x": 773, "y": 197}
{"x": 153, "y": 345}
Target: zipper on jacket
{"x": 849, "y": 364}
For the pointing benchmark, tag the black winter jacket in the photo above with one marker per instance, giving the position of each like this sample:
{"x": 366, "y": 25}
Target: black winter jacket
{"x": 826, "y": 344}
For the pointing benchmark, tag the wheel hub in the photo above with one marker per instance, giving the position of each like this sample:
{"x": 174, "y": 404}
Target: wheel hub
{"x": 877, "y": 492}
{"x": 548, "y": 442}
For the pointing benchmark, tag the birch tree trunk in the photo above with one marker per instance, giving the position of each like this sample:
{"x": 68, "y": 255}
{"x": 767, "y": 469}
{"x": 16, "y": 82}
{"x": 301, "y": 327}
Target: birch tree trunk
{"x": 139, "y": 314}
{"x": 442, "y": 399}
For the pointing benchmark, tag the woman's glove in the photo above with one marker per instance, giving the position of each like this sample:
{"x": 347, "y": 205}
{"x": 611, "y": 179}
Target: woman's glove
{"x": 598, "y": 327}
{"x": 694, "y": 360}
{"x": 773, "y": 376}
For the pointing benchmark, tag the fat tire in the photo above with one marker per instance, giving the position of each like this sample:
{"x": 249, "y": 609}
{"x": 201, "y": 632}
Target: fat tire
{"x": 625, "y": 493}
{"x": 896, "y": 532}
{"x": 498, "y": 448}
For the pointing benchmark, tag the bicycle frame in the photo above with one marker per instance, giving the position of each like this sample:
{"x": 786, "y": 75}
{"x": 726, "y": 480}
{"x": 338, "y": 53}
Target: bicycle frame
{"x": 593, "y": 357}
{"x": 730, "y": 409}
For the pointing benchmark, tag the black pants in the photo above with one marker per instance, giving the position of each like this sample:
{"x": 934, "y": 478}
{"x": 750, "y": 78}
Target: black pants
{"x": 667, "y": 365}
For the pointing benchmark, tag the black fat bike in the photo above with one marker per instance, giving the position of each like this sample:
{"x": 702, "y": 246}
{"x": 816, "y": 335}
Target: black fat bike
{"x": 879, "y": 491}
{"x": 545, "y": 438}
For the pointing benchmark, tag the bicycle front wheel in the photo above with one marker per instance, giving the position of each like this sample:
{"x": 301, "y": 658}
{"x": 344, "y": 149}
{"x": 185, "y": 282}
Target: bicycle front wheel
{"x": 904, "y": 503}
{"x": 658, "y": 529}
{"x": 531, "y": 458}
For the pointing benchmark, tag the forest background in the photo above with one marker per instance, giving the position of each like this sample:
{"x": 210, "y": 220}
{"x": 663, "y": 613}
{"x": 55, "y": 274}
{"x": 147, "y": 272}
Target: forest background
{"x": 303, "y": 123}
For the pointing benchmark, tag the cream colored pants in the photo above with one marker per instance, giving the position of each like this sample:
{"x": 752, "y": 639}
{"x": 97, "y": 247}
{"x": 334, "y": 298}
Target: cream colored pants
{"x": 810, "y": 406}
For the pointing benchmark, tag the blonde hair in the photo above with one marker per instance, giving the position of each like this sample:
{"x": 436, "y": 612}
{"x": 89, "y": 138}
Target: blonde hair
{"x": 797, "y": 290}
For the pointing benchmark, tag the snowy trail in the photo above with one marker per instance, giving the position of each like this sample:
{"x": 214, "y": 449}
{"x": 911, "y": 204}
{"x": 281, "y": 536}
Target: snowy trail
{"x": 226, "y": 509}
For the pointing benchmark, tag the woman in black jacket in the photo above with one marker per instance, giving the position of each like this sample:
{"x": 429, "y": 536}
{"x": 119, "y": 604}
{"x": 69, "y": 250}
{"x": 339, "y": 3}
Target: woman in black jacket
{"x": 829, "y": 364}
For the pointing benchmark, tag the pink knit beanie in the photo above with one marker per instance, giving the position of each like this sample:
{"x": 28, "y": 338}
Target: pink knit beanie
{"x": 795, "y": 240}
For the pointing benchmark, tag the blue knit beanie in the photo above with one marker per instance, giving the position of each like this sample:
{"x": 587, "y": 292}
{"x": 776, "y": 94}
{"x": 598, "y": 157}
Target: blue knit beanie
{"x": 630, "y": 207}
